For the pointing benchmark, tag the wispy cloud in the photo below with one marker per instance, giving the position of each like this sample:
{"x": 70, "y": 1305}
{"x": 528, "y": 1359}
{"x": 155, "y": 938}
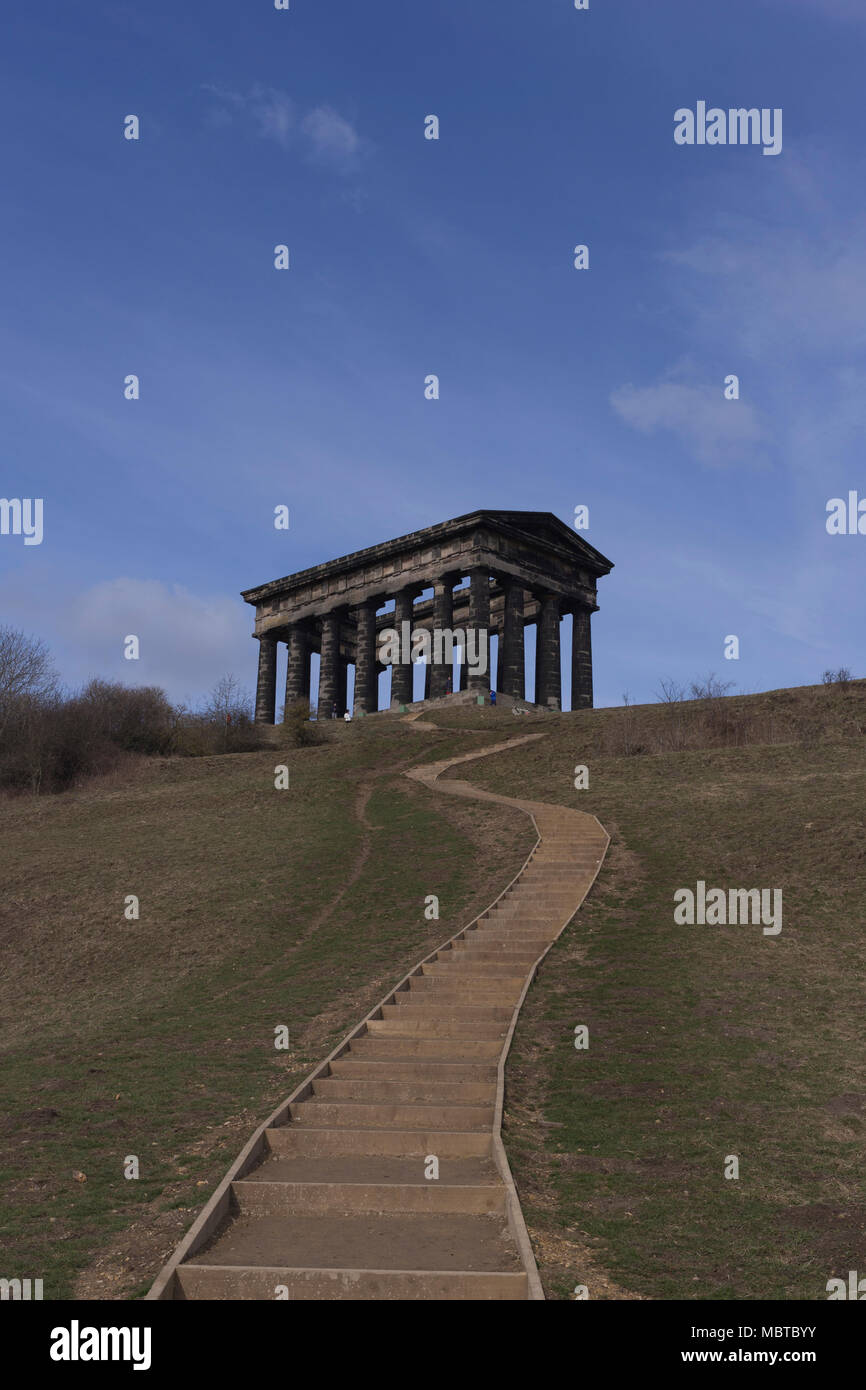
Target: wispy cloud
{"x": 716, "y": 431}
{"x": 330, "y": 135}
{"x": 785, "y": 290}
{"x": 321, "y": 134}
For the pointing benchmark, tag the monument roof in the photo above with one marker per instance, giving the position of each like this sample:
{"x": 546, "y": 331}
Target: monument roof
{"x": 542, "y": 528}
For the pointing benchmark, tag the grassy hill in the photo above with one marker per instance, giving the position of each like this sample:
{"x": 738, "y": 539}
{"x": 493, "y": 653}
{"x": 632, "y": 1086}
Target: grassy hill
{"x": 155, "y": 1037}
{"x": 261, "y": 907}
{"x": 705, "y": 1041}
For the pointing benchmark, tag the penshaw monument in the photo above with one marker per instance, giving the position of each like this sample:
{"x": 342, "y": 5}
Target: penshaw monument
{"x": 491, "y": 573}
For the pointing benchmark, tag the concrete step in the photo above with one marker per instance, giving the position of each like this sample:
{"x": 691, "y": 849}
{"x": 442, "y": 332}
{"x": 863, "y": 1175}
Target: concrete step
{"x": 474, "y": 1171}
{"x": 540, "y": 890}
{"x": 552, "y": 921}
{"x": 423, "y": 1007}
{"x": 481, "y": 970}
{"x": 533, "y": 917}
{"x": 446, "y": 997}
{"x": 311, "y": 1141}
{"x": 244, "y": 1283}
{"x": 382, "y": 1047}
{"x": 543, "y": 883}
{"x": 408, "y": 1026}
{"x": 419, "y": 1241}
{"x": 483, "y": 942}
{"x": 533, "y": 904}
{"x": 379, "y": 1047}
{"x": 367, "y": 1115}
{"x": 464, "y": 966}
{"x": 551, "y": 880}
{"x": 411, "y": 1092}
{"x": 499, "y": 953}
{"x": 456, "y": 989}
{"x": 278, "y": 1199}
{"x": 520, "y": 936}
{"x": 348, "y": 1067}
{"x": 463, "y": 995}
{"x": 460, "y": 960}
{"x": 529, "y": 912}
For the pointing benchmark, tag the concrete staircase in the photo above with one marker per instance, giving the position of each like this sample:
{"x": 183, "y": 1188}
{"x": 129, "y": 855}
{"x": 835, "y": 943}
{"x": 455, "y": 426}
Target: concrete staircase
{"x": 331, "y": 1199}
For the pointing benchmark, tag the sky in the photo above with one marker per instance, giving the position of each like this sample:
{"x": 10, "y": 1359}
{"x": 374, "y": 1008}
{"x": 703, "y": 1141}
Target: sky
{"x": 559, "y": 388}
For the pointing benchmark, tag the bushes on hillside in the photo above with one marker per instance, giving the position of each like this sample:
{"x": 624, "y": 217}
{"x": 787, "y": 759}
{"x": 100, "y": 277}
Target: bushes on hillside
{"x": 223, "y": 725}
{"x": 708, "y": 718}
{"x": 296, "y": 729}
{"x": 138, "y": 719}
{"x": 51, "y": 740}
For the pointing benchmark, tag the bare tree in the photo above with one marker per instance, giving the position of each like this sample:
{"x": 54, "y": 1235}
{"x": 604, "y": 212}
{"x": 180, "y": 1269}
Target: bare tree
{"x": 226, "y": 700}
{"x": 26, "y": 673}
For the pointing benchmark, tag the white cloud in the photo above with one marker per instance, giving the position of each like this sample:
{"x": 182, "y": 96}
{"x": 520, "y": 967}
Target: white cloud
{"x": 187, "y": 641}
{"x": 717, "y": 431}
{"x": 275, "y": 114}
{"x": 322, "y": 133}
{"x": 329, "y": 134}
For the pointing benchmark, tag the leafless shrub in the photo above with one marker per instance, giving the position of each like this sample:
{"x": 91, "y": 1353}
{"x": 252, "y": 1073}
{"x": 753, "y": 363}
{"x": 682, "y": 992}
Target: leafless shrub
{"x": 670, "y": 692}
{"x": 710, "y": 688}
{"x": 842, "y": 678}
{"x": 224, "y": 724}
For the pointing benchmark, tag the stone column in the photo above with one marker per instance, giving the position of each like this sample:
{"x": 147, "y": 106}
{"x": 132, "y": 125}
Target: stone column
{"x": 548, "y": 677}
{"x": 266, "y": 686}
{"x": 581, "y": 659}
{"x": 461, "y": 670}
{"x": 479, "y": 620}
{"x": 427, "y": 670}
{"x": 443, "y": 619}
{"x": 298, "y": 668}
{"x": 511, "y": 663}
{"x": 366, "y": 686}
{"x": 401, "y": 671}
{"x": 329, "y": 665}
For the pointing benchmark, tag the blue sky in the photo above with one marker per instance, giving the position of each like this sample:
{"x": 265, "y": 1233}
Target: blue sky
{"x": 558, "y": 387}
